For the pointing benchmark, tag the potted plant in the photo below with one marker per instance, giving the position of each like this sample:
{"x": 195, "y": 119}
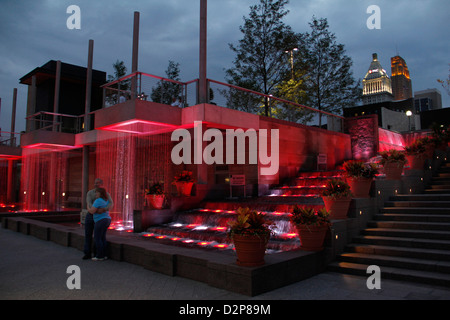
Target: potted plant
{"x": 415, "y": 153}
{"x": 393, "y": 162}
{"x": 250, "y": 232}
{"x": 311, "y": 226}
{"x": 155, "y": 195}
{"x": 337, "y": 197}
{"x": 440, "y": 137}
{"x": 184, "y": 182}
{"x": 359, "y": 176}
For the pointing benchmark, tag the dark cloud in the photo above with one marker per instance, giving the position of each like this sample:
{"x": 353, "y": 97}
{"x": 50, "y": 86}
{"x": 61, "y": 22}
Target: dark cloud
{"x": 34, "y": 31}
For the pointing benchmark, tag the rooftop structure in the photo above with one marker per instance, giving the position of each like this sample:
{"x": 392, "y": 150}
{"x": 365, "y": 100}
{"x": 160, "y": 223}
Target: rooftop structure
{"x": 376, "y": 83}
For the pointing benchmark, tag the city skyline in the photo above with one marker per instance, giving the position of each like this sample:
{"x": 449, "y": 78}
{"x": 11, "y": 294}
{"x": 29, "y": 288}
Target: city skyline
{"x": 34, "y": 32}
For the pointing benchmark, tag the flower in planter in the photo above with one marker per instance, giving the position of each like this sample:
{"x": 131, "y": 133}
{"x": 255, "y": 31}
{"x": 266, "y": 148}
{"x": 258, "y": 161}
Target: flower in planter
{"x": 308, "y": 216}
{"x": 185, "y": 176}
{"x": 249, "y": 222}
{"x": 418, "y": 147}
{"x": 336, "y": 188}
{"x": 360, "y": 169}
{"x": 392, "y": 155}
{"x": 156, "y": 188}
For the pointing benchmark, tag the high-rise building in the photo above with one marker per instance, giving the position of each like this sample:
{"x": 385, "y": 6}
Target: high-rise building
{"x": 401, "y": 81}
{"x": 429, "y": 99}
{"x": 376, "y": 84}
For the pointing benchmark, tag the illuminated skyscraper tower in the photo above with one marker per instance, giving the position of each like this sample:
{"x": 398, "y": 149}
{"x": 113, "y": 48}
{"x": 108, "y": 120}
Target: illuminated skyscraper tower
{"x": 376, "y": 84}
{"x": 401, "y": 81}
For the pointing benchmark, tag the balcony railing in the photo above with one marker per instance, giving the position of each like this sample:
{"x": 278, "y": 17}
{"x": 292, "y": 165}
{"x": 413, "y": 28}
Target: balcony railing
{"x": 57, "y": 122}
{"x": 149, "y": 87}
{"x": 10, "y": 139}
{"x": 153, "y": 88}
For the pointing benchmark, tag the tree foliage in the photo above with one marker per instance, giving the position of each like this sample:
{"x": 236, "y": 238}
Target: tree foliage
{"x": 329, "y": 80}
{"x": 260, "y": 55}
{"x": 317, "y": 75}
{"x": 165, "y": 91}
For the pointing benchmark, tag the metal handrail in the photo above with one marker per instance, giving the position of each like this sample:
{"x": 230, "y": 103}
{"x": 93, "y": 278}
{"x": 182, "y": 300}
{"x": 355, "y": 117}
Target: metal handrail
{"x": 275, "y": 98}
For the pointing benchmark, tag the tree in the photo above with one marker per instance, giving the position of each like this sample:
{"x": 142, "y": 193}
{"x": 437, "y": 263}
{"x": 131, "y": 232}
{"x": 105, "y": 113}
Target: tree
{"x": 165, "y": 91}
{"x": 260, "y": 55}
{"x": 292, "y": 89}
{"x": 329, "y": 82}
{"x": 112, "y": 95}
{"x": 119, "y": 71}
{"x": 445, "y": 83}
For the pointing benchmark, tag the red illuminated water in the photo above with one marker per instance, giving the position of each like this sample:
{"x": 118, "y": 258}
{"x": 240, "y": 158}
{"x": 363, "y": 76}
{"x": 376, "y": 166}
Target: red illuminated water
{"x": 44, "y": 179}
{"x": 128, "y": 164}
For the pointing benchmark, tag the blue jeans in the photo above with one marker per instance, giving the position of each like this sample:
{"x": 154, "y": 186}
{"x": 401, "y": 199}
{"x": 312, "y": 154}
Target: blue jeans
{"x": 100, "y": 229}
{"x": 88, "y": 233}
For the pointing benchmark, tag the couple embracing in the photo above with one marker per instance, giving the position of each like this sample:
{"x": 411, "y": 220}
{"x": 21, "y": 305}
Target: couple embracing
{"x": 97, "y": 220}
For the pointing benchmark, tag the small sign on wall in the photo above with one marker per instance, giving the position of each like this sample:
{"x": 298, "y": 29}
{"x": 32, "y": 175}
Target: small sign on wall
{"x": 237, "y": 180}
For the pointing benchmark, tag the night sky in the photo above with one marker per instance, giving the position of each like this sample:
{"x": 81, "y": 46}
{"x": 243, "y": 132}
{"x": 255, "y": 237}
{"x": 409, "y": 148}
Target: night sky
{"x": 33, "y": 32}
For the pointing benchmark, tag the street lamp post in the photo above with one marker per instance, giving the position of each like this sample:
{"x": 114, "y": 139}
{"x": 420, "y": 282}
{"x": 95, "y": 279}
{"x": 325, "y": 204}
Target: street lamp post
{"x": 409, "y": 114}
{"x": 292, "y": 60}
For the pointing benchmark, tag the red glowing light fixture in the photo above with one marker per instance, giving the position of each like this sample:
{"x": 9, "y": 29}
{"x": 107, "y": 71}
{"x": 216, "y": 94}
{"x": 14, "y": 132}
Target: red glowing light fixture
{"x": 9, "y": 157}
{"x": 51, "y": 146}
{"x": 219, "y": 228}
{"x": 221, "y": 246}
{"x": 139, "y": 127}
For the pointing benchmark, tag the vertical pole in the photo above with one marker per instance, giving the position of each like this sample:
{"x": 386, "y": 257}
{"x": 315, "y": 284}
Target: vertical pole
{"x": 203, "y": 90}
{"x": 57, "y": 85}
{"x": 134, "y": 62}
{"x": 13, "y": 118}
{"x": 31, "y": 105}
{"x": 87, "y": 108}
{"x": 87, "y": 127}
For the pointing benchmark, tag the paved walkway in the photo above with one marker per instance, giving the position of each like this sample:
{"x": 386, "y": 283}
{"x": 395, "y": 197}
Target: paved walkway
{"x": 35, "y": 269}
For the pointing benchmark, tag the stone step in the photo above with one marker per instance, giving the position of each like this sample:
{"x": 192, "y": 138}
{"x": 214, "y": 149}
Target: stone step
{"x": 391, "y": 232}
{"x": 403, "y": 242}
{"x": 419, "y": 276}
{"x": 397, "y": 262}
{"x": 440, "y": 186}
{"x": 436, "y": 226}
{"x": 416, "y": 210}
{"x": 399, "y": 251}
{"x": 413, "y": 217}
{"x": 415, "y": 204}
{"x": 298, "y": 190}
{"x": 421, "y": 197}
{"x": 437, "y": 191}
{"x": 439, "y": 181}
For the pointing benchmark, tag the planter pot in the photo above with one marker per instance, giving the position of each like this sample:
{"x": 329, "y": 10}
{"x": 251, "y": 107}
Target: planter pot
{"x": 155, "y": 200}
{"x": 393, "y": 170}
{"x": 416, "y": 162}
{"x": 184, "y": 188}
{"x": 338, "y": 208}
{"x": 360, "y": 187}
{"x": 429, "y": 152}
{"x": 311, "y": 237}
{"x": 250, "y": 250}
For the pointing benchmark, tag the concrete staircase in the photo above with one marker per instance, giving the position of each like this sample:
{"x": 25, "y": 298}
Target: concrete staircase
{"x": 409, "y": 239}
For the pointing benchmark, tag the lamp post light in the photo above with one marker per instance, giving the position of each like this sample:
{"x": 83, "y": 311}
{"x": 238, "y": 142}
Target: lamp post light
{"x": 409, "y": 114}
{"x": 292, "y": 60}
